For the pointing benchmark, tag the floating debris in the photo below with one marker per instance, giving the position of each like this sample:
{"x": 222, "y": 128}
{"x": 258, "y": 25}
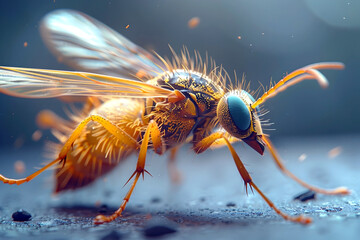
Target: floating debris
{"x": 127, "y": 26}
{"x": 19, "y": 167}
{"x": 36, "y": 136}
{"x": 21, "y": 216}
{"x": 19, "y": 142}
{"x": 334, "y": 152}
{"x": 193, "y": 22}
{"x": 302, "y": 157}
{"x": 306, "y": 196}
{"x": 25, "y": 44}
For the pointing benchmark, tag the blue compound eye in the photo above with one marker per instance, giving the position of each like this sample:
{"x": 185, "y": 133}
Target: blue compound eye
{"x": 239, "y": 112}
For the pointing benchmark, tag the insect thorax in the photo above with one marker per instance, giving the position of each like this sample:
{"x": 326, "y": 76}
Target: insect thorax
{"x": 196, "y": 111}
{"x": 204, "y": 92}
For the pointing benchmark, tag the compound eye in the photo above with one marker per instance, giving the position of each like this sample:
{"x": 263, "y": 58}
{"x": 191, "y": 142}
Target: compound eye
{"x": 239, "y": 112}
{"x": 234, "y": 116}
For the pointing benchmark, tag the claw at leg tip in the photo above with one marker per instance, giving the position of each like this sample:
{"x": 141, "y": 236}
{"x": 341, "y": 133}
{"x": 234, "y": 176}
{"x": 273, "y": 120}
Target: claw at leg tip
{"x": 99, "y": 219}
{"x": 342, "y": 190}
{"x": 304, "y": 220}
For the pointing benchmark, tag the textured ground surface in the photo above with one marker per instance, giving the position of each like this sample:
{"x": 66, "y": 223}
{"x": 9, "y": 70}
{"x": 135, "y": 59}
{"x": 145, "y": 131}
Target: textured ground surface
{"x": 209, "y": 204}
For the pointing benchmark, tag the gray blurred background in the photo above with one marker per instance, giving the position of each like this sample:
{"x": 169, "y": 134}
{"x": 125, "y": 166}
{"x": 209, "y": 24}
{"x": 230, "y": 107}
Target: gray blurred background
{"x": 277, "y": 36}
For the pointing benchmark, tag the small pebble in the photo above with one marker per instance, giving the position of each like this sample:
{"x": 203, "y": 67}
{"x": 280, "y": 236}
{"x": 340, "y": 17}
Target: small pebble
{"x": 231, "y": 204}
{"x": 159, "y": 227}
{"x": 21, "y": 216}
{"x": 305, "y": 196}
{"x": 113, "y": 235}
{"x": 155, "y": 200}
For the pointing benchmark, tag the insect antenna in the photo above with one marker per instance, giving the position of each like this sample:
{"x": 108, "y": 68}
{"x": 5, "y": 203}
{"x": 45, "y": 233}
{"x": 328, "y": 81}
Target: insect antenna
{"x": 307, "y": 72}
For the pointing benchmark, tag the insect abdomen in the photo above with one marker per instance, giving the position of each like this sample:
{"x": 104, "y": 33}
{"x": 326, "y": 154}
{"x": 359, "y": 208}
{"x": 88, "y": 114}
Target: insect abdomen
{"x": 96, "y": 151}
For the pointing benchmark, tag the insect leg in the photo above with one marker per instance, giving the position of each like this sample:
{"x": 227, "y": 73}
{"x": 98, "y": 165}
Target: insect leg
{"x": 279, "y": 163}
{"x": 140, "y": 170}
{"x": 206, "y": 143}
{"x": 112, "y": 128}
{"x": 30, "y": 177}
{"x": 221, "y": 142}
{"x": 174, "y": 172}
{"x": 307, "y": 72}
{"x": 116, "y": 131}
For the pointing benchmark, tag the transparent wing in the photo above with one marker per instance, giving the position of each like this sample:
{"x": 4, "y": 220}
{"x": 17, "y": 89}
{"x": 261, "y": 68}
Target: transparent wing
{"x": 86, "y": 44}
{"x": 40, "y": 83}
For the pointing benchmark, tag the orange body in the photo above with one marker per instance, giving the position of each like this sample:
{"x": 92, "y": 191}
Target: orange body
{"x": 96, "y": 151}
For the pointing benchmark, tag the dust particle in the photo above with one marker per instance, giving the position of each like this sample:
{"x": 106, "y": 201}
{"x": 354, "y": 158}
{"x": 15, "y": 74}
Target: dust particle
{"x": 193, "y": 22}
{"x": 302, "y": 157}
{"x": 19, "y": 142}
{"x": 334, "y": 152}
{"x": 36, "y": 136}
{"x": 19, "y": 167}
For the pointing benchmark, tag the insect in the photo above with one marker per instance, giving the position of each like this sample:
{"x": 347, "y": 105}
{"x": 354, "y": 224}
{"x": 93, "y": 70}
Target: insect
{"x": 136, "y": 101}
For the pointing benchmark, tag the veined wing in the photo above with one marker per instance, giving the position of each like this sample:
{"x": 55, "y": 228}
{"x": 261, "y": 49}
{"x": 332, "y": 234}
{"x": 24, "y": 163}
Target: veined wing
{"x": 86, "y": 44}
{"x": 40, "y": 83}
